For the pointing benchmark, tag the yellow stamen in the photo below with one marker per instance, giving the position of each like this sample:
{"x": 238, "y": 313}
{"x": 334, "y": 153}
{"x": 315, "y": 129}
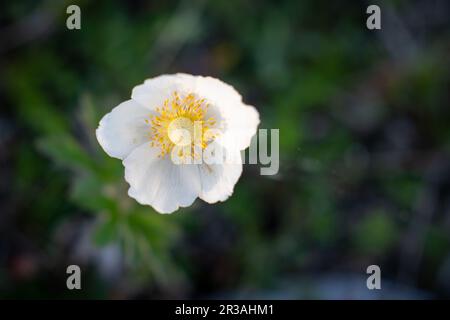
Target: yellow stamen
{"x": 181, "y": 122}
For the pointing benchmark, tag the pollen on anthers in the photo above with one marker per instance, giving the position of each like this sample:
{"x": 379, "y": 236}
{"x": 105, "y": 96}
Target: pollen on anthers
{"x": 181, "y": 123}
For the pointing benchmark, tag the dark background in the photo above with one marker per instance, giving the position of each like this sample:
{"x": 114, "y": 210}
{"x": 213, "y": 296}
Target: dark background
{"x": 364, "y": 150}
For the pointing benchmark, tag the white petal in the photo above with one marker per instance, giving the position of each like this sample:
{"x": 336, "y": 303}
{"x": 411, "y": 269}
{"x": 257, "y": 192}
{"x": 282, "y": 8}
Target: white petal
{"x": 241, "y": 120}
{"x": 241, "y": 125}
{"x": 123, "y": 129}
{"x": 159, "y": 182}
{"x": 217, "y": 91}
{"x": 154, "y": 91}
{"x": 218, "y": 180}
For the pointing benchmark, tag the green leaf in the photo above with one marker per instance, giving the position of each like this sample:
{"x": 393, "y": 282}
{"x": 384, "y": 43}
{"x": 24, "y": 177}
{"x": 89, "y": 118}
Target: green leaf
{"x": 87, "y": 192}
{"x": 106, "y": 232}
{"x": 376, "y": 233}
{"x": 66, "y": 151}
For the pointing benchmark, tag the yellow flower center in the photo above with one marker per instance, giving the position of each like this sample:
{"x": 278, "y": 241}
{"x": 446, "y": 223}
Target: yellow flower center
{"x": 181, "y": 123}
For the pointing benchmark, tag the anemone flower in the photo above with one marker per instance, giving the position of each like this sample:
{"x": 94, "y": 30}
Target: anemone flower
{"x": 180, "y": 137}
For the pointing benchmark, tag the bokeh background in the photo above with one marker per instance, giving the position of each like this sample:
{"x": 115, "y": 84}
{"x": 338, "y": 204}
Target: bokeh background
{"x": 364, "y": 177}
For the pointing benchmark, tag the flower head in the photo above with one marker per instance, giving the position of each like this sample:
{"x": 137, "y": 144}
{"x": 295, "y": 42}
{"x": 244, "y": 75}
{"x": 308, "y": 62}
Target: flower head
{"x": 180, "y": 138}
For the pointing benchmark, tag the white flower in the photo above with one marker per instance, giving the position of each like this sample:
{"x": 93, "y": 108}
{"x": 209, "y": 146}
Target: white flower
{"x": 155, "y": 128}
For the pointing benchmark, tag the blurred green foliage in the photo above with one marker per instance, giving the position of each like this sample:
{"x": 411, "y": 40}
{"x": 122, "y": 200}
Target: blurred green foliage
{"x": 364, "y": 147}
